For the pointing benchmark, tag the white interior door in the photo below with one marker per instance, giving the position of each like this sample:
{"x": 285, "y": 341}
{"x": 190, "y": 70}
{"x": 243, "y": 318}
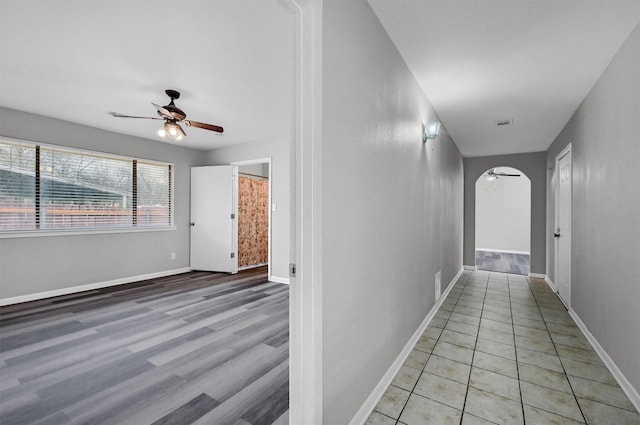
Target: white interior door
{"x": 214, "y": 227}
{"x": 563, "y": 226}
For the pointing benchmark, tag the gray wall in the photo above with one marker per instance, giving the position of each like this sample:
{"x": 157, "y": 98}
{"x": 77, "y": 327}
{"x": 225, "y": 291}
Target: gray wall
{"x": 605, "y": 139}
{"x": 531, "y": 164}
{"x": 38, "y": 264}
{"x": 280, "y": 191}
{"x": 392, "y": 206}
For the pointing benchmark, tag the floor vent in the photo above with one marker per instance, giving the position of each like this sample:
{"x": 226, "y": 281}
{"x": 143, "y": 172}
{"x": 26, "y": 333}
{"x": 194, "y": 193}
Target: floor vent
{"x": 438, "y": 289}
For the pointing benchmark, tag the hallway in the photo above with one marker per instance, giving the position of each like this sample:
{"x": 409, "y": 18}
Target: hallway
{"x": 502, "y": 349}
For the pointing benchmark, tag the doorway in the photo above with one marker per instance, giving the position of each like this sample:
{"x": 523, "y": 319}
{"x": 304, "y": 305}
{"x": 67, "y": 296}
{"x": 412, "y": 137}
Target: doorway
{"x": 562, "y": 233}
{"x": 231, "y": 217}
{"x": 254, "y": 213}
{"x": 503, "y": 221}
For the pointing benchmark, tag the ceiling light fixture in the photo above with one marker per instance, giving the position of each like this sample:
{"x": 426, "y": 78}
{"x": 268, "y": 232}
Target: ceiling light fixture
{"x": 431, "y": 132}
{"x": 172, "y": 131}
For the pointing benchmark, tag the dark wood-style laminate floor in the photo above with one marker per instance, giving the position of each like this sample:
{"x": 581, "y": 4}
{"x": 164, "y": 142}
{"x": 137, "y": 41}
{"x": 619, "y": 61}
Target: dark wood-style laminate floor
{"x": 196, "y": 348}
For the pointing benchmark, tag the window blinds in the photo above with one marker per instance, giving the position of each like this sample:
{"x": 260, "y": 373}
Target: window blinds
{"x": 17, "y": 187}
{"x": 50, "y": 188}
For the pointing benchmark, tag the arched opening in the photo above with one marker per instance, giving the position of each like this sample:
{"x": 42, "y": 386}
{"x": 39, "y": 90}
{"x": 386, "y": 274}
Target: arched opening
{"x": 503, "y": 221}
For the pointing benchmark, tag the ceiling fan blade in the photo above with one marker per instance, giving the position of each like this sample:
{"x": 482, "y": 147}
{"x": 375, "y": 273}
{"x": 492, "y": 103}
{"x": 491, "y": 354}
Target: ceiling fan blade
{"x": 118, "y": 115}
{"x": 203, "y": 125}
{"x": 163, "y": 111}
{"x": 507, "y": 175}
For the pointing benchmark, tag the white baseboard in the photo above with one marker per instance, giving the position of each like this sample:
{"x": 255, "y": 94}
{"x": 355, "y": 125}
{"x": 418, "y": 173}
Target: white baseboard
{"x": 370, "y": 403}
{"x": 550, "y": 283}
{"x": 277, "y": 279}
{"x": 626, "y": 386}
{"x": 465, "y": 267}
{"x": 89, "y": 287}
{"x": 506, "y": 251}
{"x": 538, "y": 275}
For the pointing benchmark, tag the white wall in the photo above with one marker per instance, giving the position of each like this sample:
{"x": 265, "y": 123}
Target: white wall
{"x": 503, "y": 212}
{"x": 279, "y": 152}
{"x": 392, "y": 206}
{"x": 39, "y": 264}
{"x": 604, "y": 136}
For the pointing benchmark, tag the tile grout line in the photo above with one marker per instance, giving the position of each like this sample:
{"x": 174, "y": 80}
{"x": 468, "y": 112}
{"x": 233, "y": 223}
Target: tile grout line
{"x": 558, "y": 354}
{"x": 464, "y": 404}
{"x": 397, "y": 420}
{"x": 515, "y": 349}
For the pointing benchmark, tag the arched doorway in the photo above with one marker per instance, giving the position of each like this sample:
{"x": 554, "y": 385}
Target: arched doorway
{"x": 503, "y": 221}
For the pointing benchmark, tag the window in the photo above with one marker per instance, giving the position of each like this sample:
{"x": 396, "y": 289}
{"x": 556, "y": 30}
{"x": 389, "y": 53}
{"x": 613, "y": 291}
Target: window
{"x": 17, "y": 187}
{"x": 51, "y": 188}
{"x": 154, "y": 194}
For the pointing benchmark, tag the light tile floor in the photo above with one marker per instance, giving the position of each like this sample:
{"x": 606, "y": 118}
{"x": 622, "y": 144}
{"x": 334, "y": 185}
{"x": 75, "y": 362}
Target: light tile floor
{"x": 502, "y": 349}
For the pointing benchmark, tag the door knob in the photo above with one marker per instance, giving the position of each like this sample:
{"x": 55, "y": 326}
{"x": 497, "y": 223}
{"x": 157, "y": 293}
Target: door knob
{"x": 192, "y": 224}
{"x": 556, "y": 235}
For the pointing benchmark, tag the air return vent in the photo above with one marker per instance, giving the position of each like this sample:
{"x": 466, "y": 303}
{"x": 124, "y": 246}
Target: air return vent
{"x": 505, "y": 122}
{"x": 437, "y": 286}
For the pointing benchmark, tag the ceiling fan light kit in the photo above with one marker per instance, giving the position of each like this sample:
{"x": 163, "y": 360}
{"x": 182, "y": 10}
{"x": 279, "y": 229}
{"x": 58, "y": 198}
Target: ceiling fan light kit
{"x": 171, "y": 131}
{"x": 172, "y": 116}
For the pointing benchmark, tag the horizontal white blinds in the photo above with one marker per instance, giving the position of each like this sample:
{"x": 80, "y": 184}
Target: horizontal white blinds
{"x": 50, "y": 188}
{"x": 84, "y": 191}
{"x": 154, "y": 194}
{"x": 17, "y": 187}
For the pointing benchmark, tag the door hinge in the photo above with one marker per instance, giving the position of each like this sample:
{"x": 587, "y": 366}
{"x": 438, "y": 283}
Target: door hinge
{"x": 292, "y": 270}
{"x": 233, "y": 255}
{"x": 233, "y": 216}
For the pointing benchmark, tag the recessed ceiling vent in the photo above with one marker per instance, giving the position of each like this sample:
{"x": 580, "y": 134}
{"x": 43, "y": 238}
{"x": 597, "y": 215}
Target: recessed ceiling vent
{"x": 505, "y": 122}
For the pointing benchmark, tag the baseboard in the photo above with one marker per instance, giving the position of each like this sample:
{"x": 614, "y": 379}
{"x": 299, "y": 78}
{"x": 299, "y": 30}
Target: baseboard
{"x": 505, "y": 251}
{"x": 615, "y": 371}
{"x": 465, "y": 267}
{"x": 370, "y": 403}
{"x": 550, "y": 283}
{"x": 626, "y": 386}
{"x": 89, "y": 287}
{"x": 277, "y": 279}
{"x": 537, "y": 275}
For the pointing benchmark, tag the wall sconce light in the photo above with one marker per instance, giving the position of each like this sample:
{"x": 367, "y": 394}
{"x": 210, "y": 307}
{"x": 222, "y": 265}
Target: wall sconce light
{"x": 431, "y": 132}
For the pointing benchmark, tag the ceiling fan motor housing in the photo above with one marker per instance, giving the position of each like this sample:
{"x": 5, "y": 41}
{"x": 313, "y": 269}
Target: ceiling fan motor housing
{"x": 176, "y": 112}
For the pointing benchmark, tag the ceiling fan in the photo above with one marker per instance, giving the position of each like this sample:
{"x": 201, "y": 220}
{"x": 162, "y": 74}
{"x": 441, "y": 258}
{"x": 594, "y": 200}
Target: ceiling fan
{"x": 172, "y": 116}
{"x": 493, "y": 175}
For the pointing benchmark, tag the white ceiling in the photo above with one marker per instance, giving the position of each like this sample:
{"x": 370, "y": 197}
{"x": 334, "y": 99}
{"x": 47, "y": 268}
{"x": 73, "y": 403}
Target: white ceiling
{"x": 77, "y": 60}
{"x": 480, "y": 61}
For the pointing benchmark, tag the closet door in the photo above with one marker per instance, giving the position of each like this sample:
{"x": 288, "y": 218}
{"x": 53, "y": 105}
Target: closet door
{"x": 214, "y": 227}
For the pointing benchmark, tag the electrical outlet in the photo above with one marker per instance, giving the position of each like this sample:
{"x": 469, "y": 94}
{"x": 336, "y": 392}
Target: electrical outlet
{"x": 173, "y": 255}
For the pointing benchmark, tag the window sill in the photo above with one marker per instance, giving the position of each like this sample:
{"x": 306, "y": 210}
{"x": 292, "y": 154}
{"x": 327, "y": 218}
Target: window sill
{"x": 80, "y": 232}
